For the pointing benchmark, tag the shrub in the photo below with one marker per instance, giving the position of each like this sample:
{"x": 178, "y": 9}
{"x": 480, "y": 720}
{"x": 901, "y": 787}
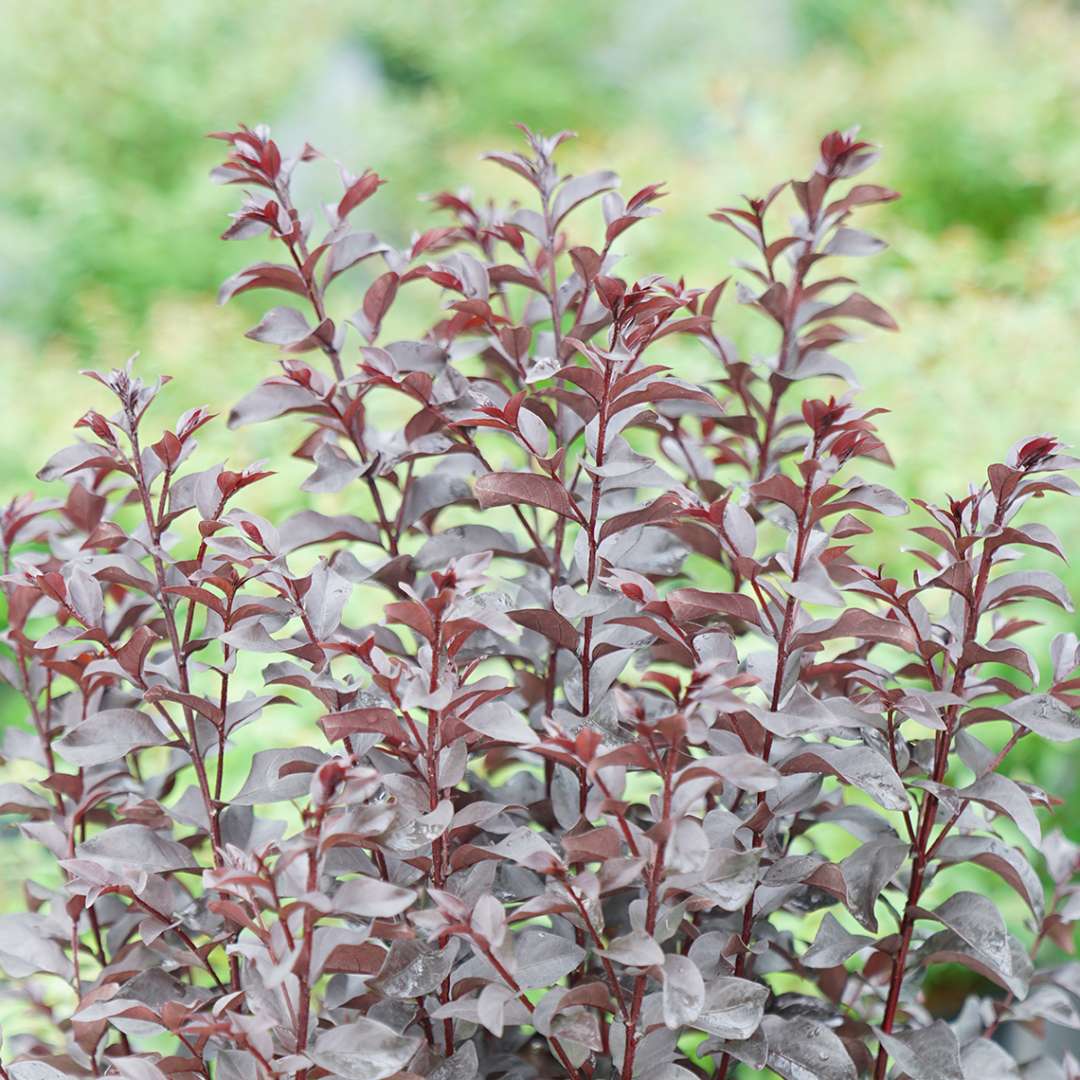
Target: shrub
{"x": 639, "y": 773}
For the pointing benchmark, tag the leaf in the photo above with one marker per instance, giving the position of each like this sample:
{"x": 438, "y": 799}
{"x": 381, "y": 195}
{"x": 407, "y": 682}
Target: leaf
{"x": 1046, "y": 715}
{"x": 740, "y": 529}
{"x": 1048, "y": 1002}
{"x": 282, "y": 326}
{"x": 745, "y": 771}
{"x": 1006, "y": 797}
{"x": 1062, "y": 857}
{"x": 350, "y": 250}
{"x": 733, "y": 1007}
{"x": 334, "y": 470}
{"x": 235, "y": 1065}
{"x": 857, "y": 306}
{"x": 578, "y": 189}
{"x": 863, "y": 496}
{"x": 499, "y": 721}
{"x": 138, "y": 846}
{"x": 669, "y": 389}
{"x": 372, "y": 898}
{"x": 983, "y": 1059}
{"x": 69, "y": 460}
{"x": 753, "y": 1051}
{"x": 107, "y": 736}
{"x": 854, "y": 242}
{"x": 780, "y": 488}
{"x": 376, "y": 718}
{"x": 37, "y": 1070}
{"x": 947, "y": 947}
{"x": 1039, "y": 584}
{"x": 683, "y": 992}
{"x": 543, "y": 958}
{"x": 268, "y": 401}
{"x": 418, "y": 832}
{"x": 527, "y": 848}
{"x": 325, "y": 599}
{"x": 636, "y": 949}
{"x": 432, "y": 492}
{"x": 377, "y": 300}
{"x": 264, "y": 784}
{"x": 659, "y": 510}
{"x": 929, "y": 1053}
{"x": 1006, "y": 861}
{"x": 457, "y": 540}
{"x": 413, "y": 615}
{"x": 139, "y": 1068}
{"x": 262, "y": 276}
{"x": 488, "y": 919}
{"x": 803, "y": 1049}
{"x": 696, "y": 604}
{"x": 833, "y": 944}
{"x": 859, "y": 624}
{"x": 463, "y": 1065}
{"x": 867, "y": 871}
{"x": 510, "y": 489}
{"x": 863, "y": 195}
{"x": 84, "y": 595}
{"x": 856, "y": 765}
{"x": 26, "y": 946}
{"x": 360, "y": 190}
{"x": 550, "y": 624}
{"x": 363, "y": 1050}
{"x": 728, "y": 878}
{"x": 514, "y": 162}
{"x": 801, "y": 714}
{"x": 17, "y": 799}
{"x": 573, "y": 605}
{"x": 414, "y": 968}
{"x": 976, "y": 919}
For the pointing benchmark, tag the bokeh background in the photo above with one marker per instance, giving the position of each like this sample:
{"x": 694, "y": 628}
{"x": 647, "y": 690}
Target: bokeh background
{"x": 110, "y": 227}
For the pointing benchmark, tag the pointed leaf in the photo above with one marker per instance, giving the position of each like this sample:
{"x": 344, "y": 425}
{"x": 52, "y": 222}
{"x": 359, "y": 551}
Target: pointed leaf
{"x": 930, "y": 1053}
{"x": 372, "y": 898}
{"x": 578, "y": 189}
{"x": 109, "y": 735}
{"x": 733, "y": 1007}
{"x": 363, "y": 1050}
{"x": 683, "y": 995}
{"x": 803, "y": 1049}
{"x": 510, "y": 489}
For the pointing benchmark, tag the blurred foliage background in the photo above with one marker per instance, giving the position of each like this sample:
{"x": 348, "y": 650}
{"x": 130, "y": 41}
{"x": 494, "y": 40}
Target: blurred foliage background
{"x": 111, "y": 228}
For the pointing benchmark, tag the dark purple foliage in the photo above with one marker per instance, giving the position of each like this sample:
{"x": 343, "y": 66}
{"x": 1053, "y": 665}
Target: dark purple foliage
{"x": 575, "y": 803}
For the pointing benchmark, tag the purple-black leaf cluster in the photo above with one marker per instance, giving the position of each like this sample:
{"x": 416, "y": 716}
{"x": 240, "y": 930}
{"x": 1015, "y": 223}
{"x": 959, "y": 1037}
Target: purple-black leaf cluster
{"x": 634, "y": 771}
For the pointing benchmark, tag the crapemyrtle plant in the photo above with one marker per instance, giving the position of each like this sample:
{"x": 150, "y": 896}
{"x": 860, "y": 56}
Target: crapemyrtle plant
{"x": 625, "y": 765}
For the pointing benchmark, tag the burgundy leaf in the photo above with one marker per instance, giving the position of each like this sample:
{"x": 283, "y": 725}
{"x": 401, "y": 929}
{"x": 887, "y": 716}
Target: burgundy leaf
{"x": 510, "y": 489}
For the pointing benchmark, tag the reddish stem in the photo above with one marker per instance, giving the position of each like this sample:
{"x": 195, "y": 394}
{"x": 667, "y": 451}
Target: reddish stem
{"x": 928, "y": 812}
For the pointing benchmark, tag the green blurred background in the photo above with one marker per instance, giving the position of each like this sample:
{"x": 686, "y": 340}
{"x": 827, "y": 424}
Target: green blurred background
{"x": 110, "y": 226}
